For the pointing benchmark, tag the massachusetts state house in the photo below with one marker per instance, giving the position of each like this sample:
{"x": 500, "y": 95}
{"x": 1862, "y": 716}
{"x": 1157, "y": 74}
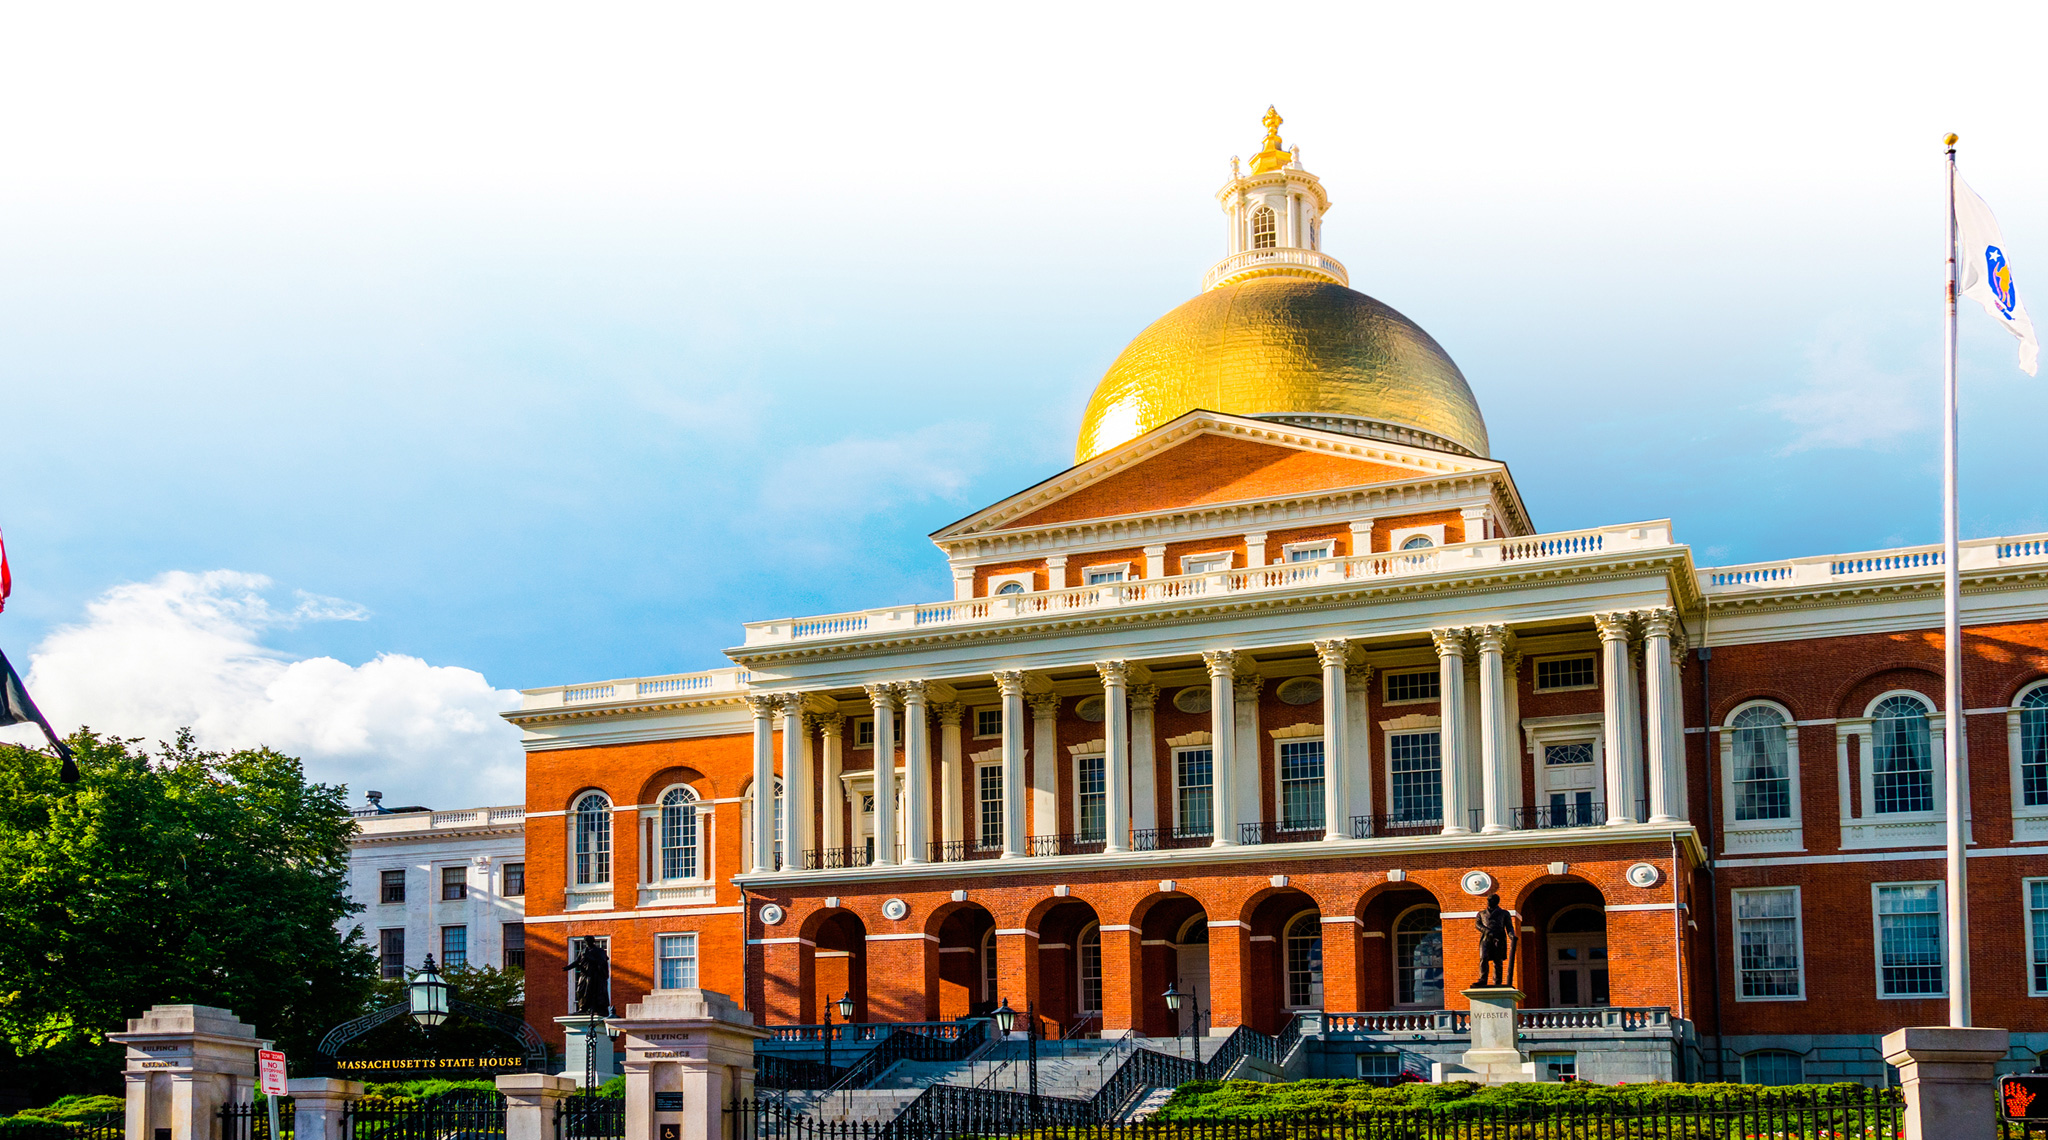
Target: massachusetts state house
{"x": 1259, "y": 701}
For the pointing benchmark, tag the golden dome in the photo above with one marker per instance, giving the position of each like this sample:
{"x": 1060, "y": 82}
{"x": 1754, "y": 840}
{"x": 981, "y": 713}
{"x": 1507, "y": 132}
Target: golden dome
{"x": 1292, "y": 349}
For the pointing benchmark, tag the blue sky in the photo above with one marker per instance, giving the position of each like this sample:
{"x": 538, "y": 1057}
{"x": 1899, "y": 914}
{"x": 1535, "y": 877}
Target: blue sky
{"x": 358, "y": 371}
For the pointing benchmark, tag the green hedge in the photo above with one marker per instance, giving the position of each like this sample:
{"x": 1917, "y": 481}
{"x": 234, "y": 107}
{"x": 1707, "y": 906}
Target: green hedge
{"x": 1251, "y": 1100}
{"x": 31, "y": 1128}
{"x": 77, "y": 1109}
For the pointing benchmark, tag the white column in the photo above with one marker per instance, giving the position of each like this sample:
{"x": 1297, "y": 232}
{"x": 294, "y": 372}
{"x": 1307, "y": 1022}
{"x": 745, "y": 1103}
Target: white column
{"x": 1657, "y": 627}
{"x": 1045, "y": 764}
{"x": 1450, "y": 661}
{"x": 1116, "y": 760}
{"x": 1681, "y": 786}
{"x": 831, "y": 789}
{"x": 1222, "y": 664}
{"x": 1494, "y": 768}
{"x": 1334, "y": 654}
{"x": 883, "y": 699}
{"x": 950, "y": 816}
{"x": 1011, "y": 684}
{"x": 1358, "y": 703}
{"x": 796, "y": 785}
{"x": 917, "y": 775}
{"x": 1144, "y": 758}
{"x": 1250, "y": 747}
{"x": 1616, "y": 697}
{"x": 763, "y": 855}
{"x": 1633, "y": 704}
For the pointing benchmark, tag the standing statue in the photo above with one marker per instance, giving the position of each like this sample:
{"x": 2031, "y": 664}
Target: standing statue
{"x": 1498, "y": 940}
{"x": 593, "y": 991}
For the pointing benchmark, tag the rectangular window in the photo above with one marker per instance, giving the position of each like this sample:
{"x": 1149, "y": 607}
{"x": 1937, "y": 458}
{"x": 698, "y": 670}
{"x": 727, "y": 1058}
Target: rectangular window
{"x": 1557, "y": 1066}
{"x": 1909, "y": 938}
{"x": 1379, "y": 1068}
{"x": 1773, "y": 1067}
{"x": 1564, "y": 673}
{"x": 391, "y": 952}
{"x": 454, "y": 883}
{"x": 2037, "y": 936}
{"x": 988, "y": 723}
{"x": 1902, "y": 764}
{"x": 677, "y": 961}
{"x": 990, "y": 778}
{"x": 1194, "y": 792}
{"x": 1763, "y": 775}
{"x": 1767, "y": 943}
{"x": 2034, "y": 749}
{"x": 1308, "y": 553}
{"x": 1104, "y": 576}
{"x": 515, "y": 880}
{"x": 515, "y": 946}
{"x": 1414, "y": 686}
{"x": 1091, "y": 794}
{"x": 1205, "y": 563}
{"x": 1415, "y": 786}
{"x": 392, "y": 884}
{"x": 454, "y": 946}
{"x": 1301, "y": 784}
{"x": 864, "y": 731}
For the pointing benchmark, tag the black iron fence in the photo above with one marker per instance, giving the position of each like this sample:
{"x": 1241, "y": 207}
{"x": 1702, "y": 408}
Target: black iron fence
{"x": 467, "y": 1115}
{"x": 1561, "y": 815}
{"x": 1403, "y": 823}
{"x": 963, "y": 850}
{"x": 590, "y": 1118}
{"x": 246, "y": 1121}
{"x": 1069, "y": 843}
{"x": 1168, "y": 839}
{"x": 1797, "y": 1113}
{"x": 943, "y": 1041}
{"x": 772, "y": 1072}
{"x": 1281, "y": 831}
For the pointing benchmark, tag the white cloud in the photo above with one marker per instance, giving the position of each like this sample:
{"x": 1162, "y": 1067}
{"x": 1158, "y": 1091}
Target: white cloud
{"x": 186, "y": 650}
{"x": 1849, "y": 402}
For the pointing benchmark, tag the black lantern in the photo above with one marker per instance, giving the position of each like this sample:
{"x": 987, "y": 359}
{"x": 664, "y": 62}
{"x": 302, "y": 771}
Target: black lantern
{"x": 1005, "y": 1017}
{"x": 845, "y": 1007}
{"x": 429, "y": 995}
{"x": 1173, "y": 998}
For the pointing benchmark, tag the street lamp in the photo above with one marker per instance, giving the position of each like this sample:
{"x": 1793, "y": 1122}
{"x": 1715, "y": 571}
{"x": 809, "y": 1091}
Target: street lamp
{"x": 1005, "y": 1018}
{"x": 1174, "y": 998}
{"x": 429, "y": 995}
{"x": 845, "y": 1007}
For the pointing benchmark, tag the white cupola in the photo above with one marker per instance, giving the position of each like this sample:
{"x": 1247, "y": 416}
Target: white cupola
{"x": 1276, "y": 218}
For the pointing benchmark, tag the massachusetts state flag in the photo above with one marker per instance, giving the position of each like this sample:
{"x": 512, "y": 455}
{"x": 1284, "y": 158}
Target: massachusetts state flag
{"x": 1986, "y": 275}
{"x": 17, "y": 708}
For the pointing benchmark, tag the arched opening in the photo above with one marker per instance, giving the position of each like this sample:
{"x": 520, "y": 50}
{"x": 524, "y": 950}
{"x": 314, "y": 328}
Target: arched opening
{"x": 1564, "y": 945}
{"x": 839, "y": 966}
{"x": 1069, "y": 970}
{"x": 1419, "y": 958}
{"x": 1285, "y": 974}
{"x": 1263, "y": 231}
{"x": 1173, "y": 935}
{"x": 967, "y": 959}
{"x": 1400, "y": 949}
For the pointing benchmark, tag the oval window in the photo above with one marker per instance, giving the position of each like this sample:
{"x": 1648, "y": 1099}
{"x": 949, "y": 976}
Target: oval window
{"x": 1301, "y": 691}
{"x": 1011, "y": 588}
{"x": 1090, "y": 709}
{"x": 1419, "y": 542}
{"x": 1193, "y": 699}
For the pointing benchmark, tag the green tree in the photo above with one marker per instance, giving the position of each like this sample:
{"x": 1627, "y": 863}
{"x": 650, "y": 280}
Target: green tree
{"x": 184, "y": 876}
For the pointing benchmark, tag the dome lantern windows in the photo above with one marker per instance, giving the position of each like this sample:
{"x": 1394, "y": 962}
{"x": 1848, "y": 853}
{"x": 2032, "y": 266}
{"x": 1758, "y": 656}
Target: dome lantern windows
{"x": 1264, "y": 234}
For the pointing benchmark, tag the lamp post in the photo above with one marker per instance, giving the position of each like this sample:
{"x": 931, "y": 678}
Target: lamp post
{"x": 1174, "y": 998}
{"x": 429, "y": 995}
{"x": 1006, "y": 1019}
{"x": 845, "y": 1007}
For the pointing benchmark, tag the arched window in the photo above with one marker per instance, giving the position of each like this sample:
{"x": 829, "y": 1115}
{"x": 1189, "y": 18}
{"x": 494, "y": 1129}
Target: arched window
{"x": 1090, "y": 962}
{"x": 778, "y": 825}
{"x": 1902, "y": 760}
{"x": 2034, "y": 747}
{"x": 1419, "y": 542}
{"x": 679, "y": 834}
{"x": 1305, "y": 961}
{"x": 1773, "y": 1067}
{"x": 1263, "y": 236}
{"x": 1763, "y": 778}
{"x": 593, "y": 823}
{"x": 988, "y": 968}
{"x": 1011, "y": 588}
{"x": 1419, "y": 958}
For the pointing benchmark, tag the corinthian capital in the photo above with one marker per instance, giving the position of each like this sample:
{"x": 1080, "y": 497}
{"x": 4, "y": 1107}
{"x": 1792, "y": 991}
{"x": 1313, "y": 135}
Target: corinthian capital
{"x": 1613, "y": 626}
{"x": 1010, "y": 682}
{"x": 1144, "y": 695}
{"x": 1112, "y": 672}
{"x": 1333, "y": 653}
{"x": 764, "y": 705}
{"x": 1221, "y": 662}
{"x": 1449, "y": 642}
{"x": 1044, "y": 704}
{"x": 829, "y": 723}
{"x": 949, "y": 713}
{"x": 882, "y": 696}
{"x": 1248, "y": 686}
{"x": 1492, "y": 638}
{"x": 1660, "y": 622}
{"x": 912, "y": 692}
{"x": 792, "y": 704}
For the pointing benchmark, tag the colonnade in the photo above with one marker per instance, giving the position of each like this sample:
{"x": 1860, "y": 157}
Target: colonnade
{"x": 1640, "y": 650}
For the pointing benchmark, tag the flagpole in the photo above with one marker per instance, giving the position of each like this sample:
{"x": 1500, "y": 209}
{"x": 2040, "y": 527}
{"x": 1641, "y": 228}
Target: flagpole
{"x": 1958, "y": 781}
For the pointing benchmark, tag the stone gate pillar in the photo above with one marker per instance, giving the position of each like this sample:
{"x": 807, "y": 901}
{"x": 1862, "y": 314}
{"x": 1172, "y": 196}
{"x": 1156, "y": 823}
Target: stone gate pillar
{"x": 318, "y": 1105}
{"x": 531, "y": 1100}
{"x": 1948, "y": 1076}
{"x": 184, "y": 1063}
{"x": 688, "y": 1053}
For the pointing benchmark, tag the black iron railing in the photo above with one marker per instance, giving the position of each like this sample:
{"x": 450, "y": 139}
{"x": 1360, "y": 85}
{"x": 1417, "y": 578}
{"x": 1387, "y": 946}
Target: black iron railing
{"x": 773, "y": 1072}
{"x": 1069, "y": 843}
{"x": 1278, "y": 831}
{"x": 1167, "y": 839}
{"x": 252, "y": 1121}
{"x": 1564, "y": 815}
{"x": 1405, "y": 823}
{"x": 949, "y": 1042}
{"x": 833, "y": 858}
{"x": 589, "y": 1118}
{"x": 471, "y": 1115}
{"x": 962, "y": 851}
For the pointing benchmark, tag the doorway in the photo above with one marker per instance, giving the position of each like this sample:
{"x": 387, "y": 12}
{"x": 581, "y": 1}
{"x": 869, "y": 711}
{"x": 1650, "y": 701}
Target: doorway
{"x": 1577, "y": 949}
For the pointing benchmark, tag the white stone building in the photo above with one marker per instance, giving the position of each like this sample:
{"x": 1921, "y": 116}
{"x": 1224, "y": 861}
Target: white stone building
{"x": 447, "y": 883}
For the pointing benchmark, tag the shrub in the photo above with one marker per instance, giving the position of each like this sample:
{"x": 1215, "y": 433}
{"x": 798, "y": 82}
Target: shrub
{"x": 77, "y": 1109}
{"x": 31, "y": 1128}
{"x": 1242, "y": 1100}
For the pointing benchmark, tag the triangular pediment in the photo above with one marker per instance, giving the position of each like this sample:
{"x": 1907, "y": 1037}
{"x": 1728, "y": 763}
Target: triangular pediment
{"x": 1206, "y": 459}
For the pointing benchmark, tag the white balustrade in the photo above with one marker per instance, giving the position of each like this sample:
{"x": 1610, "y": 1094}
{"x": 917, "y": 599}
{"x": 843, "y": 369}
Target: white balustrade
{"x": 1324, "y": 572}
{"x": 1900, "y": 562}
{"x": 1251, "y": 262}
{"x": 674, "y": 685}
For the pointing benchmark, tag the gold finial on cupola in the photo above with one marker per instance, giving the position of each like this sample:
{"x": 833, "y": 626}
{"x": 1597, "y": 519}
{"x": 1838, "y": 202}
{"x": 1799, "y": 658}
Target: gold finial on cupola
{"x": 1273, "y": 154}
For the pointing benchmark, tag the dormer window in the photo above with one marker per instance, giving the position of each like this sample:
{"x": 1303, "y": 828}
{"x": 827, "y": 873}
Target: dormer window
{"x": 1106, "y": 575}
{"x": 1205, "y": 563}
{"x": 1308, "y": 551}
{"x": 1263, "y": 236}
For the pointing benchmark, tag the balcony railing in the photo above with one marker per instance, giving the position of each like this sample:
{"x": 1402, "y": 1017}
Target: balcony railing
{"x": 1255, "y": 262}
{"x": 1459, "y": 558}
{"x": 1167, "y": 839}
{"x": 1277, "y": 831}
{"x": 1569, "y": 815}
{"x": 1898, "y": 562}
{"x": 962, "y": 851}
{"x": 1070, "y": 843}
{"x": 1367, "y": 826}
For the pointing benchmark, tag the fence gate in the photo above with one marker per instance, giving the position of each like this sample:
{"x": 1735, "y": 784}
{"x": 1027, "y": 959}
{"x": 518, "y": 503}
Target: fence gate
{"x": 590, "y": 1118}
{"x": 252, "y": 1121}
{"x": 455, "y": 1116}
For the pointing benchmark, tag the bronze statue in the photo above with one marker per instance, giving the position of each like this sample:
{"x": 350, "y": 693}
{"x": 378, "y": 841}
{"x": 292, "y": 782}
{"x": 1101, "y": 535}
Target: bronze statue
{"x": 1498, "y": 940}
{"x": 593, "y": 991}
